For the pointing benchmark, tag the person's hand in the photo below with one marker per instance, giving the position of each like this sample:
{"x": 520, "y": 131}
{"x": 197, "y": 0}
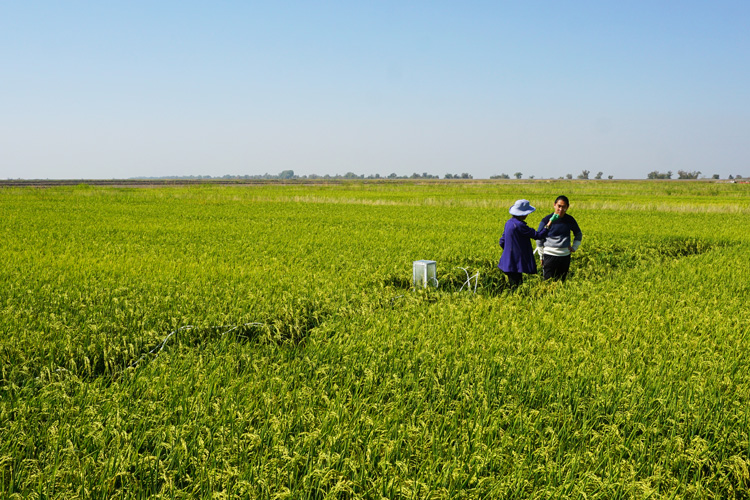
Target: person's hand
{"x": 572, "y": 250}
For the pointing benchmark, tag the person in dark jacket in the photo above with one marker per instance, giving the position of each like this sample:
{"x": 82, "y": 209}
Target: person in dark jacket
{"x": 518, "y": 257}
{"x": 555, "y": 249}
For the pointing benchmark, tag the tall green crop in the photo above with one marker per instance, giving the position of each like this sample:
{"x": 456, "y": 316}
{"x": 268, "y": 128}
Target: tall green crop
{"x": 265, "y": 341}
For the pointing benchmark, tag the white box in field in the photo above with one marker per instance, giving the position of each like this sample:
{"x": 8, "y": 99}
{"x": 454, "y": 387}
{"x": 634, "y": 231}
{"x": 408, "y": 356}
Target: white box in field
{"x": 425, "y": 272}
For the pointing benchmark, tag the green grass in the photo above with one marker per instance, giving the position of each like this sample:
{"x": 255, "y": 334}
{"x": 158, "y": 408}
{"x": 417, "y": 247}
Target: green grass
{"x": 630, "y": 380}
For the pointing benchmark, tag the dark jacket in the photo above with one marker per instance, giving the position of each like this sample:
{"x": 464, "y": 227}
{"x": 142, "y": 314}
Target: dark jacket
{"x": 518, "y": 257}
{"x": 558, "y": 241}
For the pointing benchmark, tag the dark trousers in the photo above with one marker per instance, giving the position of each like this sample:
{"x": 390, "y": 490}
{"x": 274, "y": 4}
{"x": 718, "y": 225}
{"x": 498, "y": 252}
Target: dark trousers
{"x": 554, "y": 267}
{"x": 514, "y": 280}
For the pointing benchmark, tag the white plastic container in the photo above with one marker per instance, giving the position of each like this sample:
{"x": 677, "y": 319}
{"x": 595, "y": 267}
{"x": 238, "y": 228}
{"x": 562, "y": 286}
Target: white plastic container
{"x": 425, "y": 273}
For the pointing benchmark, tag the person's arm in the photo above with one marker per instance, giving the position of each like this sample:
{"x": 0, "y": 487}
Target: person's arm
{"x": 525, "y": 230}
{"x": 577, "y": 237}
{"x": 540, "y": 241}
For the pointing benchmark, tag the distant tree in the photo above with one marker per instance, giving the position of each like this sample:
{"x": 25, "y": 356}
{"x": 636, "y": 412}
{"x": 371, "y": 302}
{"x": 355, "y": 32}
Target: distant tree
{"x": 658, "y": 175}
{"x": 518, "y": 175}
{"x": 682, "y": 174}
{"x": 584, "y": 174}
{"x": 286, "y": 174}
{"x": 568, "y": 176}
{"x": 599, "y": 175}
{"x": 730, "y": 177}
{"x": 531, "y": 177}
{"x": 738, "y": 176}
{"x": 466, "y": 176}
{"x": 715, "y": 176}
{"x": 448, "y": 176}
{"x": 609, "y": 177}
{"x": 350, "y": 175}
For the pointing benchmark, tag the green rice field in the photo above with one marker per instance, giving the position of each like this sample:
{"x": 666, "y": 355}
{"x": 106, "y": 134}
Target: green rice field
{"x": 265, "y": 341}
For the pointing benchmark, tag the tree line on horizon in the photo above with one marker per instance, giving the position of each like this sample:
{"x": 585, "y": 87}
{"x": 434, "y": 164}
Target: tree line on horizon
{"x": 290, "y": 175}
{"x": 682, "y": 174}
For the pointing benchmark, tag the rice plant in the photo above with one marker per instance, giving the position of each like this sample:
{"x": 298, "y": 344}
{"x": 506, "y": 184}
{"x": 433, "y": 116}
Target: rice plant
{"x": 266, "y": 341}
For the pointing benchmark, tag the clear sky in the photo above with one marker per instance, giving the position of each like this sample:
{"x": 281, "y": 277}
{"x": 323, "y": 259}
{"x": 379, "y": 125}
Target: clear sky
{"x": 98, "y": 89}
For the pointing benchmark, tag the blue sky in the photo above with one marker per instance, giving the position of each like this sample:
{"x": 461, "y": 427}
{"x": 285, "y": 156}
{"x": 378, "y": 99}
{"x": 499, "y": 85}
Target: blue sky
{"x": 546, "y": 88}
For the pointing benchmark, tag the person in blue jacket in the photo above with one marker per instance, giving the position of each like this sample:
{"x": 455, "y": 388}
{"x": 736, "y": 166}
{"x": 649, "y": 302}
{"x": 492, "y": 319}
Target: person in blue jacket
{"x": 518, "y": 257}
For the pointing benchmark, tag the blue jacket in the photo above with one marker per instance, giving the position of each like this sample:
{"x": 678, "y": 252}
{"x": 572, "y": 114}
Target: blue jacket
{"x": 518, "y": 257}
